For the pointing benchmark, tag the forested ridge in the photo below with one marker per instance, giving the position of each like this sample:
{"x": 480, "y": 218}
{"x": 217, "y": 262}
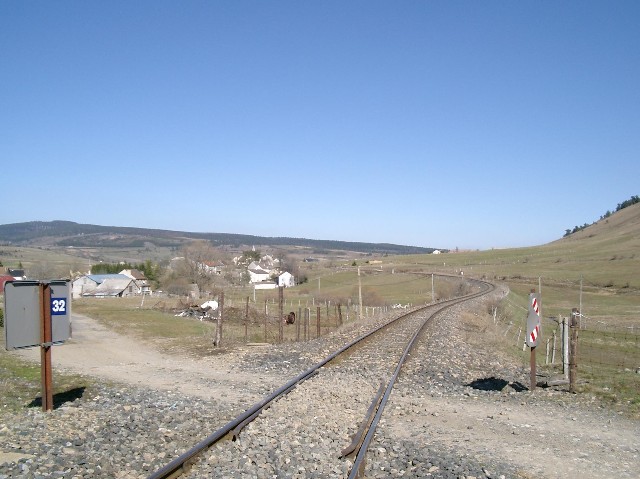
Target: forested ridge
{"x": 68, "y": 233}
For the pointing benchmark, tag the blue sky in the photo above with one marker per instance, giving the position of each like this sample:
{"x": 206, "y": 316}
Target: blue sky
{"x": 428, "y": 123}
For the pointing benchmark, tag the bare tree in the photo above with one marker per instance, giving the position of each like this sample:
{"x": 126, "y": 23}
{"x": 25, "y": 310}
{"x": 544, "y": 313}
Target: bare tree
{"x": 196, "y": 264}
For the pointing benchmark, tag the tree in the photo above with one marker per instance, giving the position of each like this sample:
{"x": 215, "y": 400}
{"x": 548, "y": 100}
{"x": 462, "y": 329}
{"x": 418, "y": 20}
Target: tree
{"x": 249, "y": 256}
{"x": 192, "y": 266}
{"x": 44, "y": 271}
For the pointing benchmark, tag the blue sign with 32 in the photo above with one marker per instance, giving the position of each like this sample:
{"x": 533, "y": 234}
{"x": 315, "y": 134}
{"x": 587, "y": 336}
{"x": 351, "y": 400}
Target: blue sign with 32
{"x": 58, "y": 306}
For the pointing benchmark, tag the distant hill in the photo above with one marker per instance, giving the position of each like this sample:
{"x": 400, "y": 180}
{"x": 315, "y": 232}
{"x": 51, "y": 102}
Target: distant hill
{"x": 70, "y": 234}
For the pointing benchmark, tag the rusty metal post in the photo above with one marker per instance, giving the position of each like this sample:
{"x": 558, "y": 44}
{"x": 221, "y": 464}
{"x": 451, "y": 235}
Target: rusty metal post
{"x": 532, "y": 363}
{"x": 45, "y": 347}
{"x": 339, "y": 314}
{"x": 318, "y": 322}
{"x": 573, "y": 349}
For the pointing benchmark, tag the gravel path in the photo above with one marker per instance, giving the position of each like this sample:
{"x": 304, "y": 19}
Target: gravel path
{"x": 435, "y": 425}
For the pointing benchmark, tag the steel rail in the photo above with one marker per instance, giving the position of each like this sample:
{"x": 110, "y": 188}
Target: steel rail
{"x": 358, "y": 437}
{"x": 358, "y": 463}
{"x": 182, "y": 463}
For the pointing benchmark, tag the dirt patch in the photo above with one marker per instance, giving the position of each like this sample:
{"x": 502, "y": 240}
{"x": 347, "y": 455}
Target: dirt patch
{"x": 99, "y": 352}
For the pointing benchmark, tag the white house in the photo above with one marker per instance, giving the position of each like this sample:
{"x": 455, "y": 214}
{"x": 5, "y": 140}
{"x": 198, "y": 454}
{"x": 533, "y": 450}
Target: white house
{"x": 257, "y": 274}
{"x": 286, "y": 279}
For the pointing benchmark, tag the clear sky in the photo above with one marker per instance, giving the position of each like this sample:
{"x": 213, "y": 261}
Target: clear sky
{"x": 471, "y": 124}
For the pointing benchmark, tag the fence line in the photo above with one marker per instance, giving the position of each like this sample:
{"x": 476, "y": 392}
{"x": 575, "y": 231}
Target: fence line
{"x": 600, "y": 344}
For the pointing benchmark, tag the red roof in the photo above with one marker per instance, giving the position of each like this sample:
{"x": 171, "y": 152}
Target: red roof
{"x": 3, "y": 279}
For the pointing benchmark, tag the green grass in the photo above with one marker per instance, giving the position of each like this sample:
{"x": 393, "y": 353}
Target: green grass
{"x": 20, "y": 382}
{"x": 126, "y": 316}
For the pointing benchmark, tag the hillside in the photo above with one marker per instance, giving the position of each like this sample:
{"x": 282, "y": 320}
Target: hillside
{"x": 622, "y": 228}
{"x": 70, "y": 234}
{"x": 605, "y": 254}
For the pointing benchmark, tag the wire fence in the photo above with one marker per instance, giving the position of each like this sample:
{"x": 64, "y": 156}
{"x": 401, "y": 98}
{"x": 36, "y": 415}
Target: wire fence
{"x": 295, "y": 320}
{"x": 603, "y": 347}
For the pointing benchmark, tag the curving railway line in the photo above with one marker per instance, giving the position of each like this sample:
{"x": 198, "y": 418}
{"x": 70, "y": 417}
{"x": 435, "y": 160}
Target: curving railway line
{"x": 329, "y": 411}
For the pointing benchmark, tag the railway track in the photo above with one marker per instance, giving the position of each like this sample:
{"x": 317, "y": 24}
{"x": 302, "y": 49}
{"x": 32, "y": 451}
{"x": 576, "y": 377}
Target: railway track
{"x": 327, "y": 415}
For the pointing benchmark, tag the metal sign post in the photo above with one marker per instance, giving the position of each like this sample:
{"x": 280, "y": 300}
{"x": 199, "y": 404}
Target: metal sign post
{"x": 45, "y": 346}
{"x": 37, "y": 313}
{"x": 533, "y": 333}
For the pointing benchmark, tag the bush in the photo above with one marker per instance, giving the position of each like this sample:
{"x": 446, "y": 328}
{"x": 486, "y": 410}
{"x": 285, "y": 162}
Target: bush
{"x": 1, "y": 318}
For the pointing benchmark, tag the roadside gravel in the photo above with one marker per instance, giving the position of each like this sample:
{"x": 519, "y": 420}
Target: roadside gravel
{"x": 457, "y": 412}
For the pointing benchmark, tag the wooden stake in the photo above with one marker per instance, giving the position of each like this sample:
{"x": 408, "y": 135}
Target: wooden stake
{"x": 573, "y": 350}
{"x": 246, "y": 321}
{"x": 281, "y": 314}
{"x": 266, "y": 317}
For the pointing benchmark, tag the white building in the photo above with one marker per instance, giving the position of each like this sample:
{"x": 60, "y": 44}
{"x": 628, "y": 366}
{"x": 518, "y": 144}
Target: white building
{"x": 257, "y": 274}
{"x": 103, "y": 285}
{"x": 286, "y": 279}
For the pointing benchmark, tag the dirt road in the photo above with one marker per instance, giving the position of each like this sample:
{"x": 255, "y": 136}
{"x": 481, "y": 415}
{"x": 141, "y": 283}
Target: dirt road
{"x": 98, "y": 352}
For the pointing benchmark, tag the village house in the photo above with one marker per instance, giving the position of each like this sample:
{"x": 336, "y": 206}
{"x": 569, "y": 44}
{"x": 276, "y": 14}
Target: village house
{"x": 12, "y": 275}
{"x": 3, "y": 279}
{"x": 257, "y": 273}
{"x": 211, "y": 267}
{"x": 141, "y": 280}
{"x": 286, "y": 279}
{"x": 17, "y": 274}
{"x": 104, "y": 285}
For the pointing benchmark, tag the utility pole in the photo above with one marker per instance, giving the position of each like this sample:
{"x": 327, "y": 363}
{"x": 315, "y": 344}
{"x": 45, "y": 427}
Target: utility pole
{"x": 433, "y": 294}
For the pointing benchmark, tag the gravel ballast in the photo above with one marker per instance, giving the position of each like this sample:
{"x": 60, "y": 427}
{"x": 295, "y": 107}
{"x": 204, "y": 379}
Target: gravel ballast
{"x": 438, "y": 422}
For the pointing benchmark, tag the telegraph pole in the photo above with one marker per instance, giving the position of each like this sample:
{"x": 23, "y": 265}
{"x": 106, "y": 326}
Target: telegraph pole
{"x": 433, "y": 294}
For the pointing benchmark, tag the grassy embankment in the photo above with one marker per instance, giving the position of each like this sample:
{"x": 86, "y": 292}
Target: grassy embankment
{"x": 597, "y": 269}
{"x": 604, "y": 258}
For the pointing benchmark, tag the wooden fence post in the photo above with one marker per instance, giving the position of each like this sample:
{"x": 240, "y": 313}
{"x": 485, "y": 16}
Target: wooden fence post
{"x": 573, "y": 348}
{"x": 565, "y": 348}
{"x": 546, "y": 357}
{"x": 266, "y": 318}
{"x": 307, "y": 324}
{"x": 318, "y": 322}
{"x": 218, "y": 339}
{"x": 246, "y": 321}
{"x": 281, "y": 311}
